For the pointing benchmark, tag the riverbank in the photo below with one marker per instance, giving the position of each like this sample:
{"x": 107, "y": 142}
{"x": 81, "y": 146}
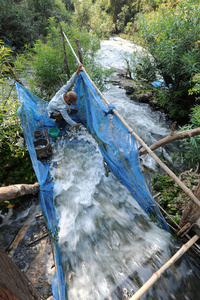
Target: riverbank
{"x": 140, "y": 91}
{"x": 171, "y": 197}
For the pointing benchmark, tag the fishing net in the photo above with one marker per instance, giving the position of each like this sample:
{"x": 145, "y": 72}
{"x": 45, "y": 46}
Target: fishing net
{"x": 118, "y": 146}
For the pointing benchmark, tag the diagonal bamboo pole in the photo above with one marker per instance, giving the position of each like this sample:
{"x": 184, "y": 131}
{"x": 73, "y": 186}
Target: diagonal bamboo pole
{"x": 142, "y": 143}
{"x": 168, "y": 264}
{"x": 170, "y": 138}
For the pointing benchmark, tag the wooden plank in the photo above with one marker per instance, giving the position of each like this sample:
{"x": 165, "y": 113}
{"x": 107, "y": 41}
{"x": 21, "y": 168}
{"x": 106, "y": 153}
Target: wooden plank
{"x": 13, "y": 283}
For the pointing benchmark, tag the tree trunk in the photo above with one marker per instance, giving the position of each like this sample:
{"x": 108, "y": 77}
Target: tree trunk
{"x": 172, "y": 137}
{"x": 79, "y": 50}
{"x": 14, "y": 285}
{"x": 14, "y": 191}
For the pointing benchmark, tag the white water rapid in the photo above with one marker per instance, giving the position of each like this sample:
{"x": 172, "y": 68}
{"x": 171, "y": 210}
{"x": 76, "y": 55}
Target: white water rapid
{"x": 109, "y": 245}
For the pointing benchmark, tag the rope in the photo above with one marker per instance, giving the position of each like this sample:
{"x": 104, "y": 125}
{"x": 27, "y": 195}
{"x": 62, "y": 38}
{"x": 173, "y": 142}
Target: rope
{"x": 18, "y": 190}
{"x": 142, "y": 143}
{"x": 110, "y": 109}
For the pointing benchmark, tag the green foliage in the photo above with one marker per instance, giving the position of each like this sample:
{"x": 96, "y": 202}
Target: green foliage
{"x": 195, "y": 90}
{"x": 165, "y": 185}
{"x": 195, "y": 116}
{"x": 47, "y": 58}
{"x": 93, "y": 16}
{"x": 192, "y": 145}
{"x": 17, "y": 24}
{"x": 171, "y": 36}
{"x": 5, "y": 57}
{"x": 22, "y": 22}
{"x": 129, "y": 28}
{"x": 190, "y": 155}
{"x": 105, "y": 17}
{"x": 100, "y": 21}
{"x": 15, "y": 165}
{"x": 169, "y": 191}
{"x": 142, "y": 65}
{"x": 123, "y": 16}
{"x": 10, "y": 127}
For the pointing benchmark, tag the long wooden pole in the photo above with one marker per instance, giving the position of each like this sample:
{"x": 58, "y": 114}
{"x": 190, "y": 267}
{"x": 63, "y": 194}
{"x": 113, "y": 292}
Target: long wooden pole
{"x": 142, "y": 143}
{"x": 158, "y": 273}
{"x": 17, "y": 190}
{"x": 65, "y": 55}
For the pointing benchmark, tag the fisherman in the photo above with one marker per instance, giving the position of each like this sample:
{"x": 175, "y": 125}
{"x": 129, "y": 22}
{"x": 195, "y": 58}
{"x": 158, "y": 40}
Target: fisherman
{"x": 59, "y": 106}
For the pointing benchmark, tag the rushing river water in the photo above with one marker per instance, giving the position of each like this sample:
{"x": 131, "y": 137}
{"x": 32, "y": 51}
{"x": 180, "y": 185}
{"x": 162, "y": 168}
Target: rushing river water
{"x": 109, "y": 245}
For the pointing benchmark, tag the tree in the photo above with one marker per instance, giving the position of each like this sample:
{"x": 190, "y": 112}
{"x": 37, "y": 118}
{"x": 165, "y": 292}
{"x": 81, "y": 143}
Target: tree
{"x": 22, "y": 22}
{"x": 83, "y": 12}
{"x": 171, "y": 36}
{"x": 17, "y": 24}
{"x": 47, "y": 58}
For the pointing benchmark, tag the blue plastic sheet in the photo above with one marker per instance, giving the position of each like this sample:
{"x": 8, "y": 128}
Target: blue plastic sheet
{"x": 33, "y": 116}
{"x": 117, "y": 145}
{"x": 160, "y": 83}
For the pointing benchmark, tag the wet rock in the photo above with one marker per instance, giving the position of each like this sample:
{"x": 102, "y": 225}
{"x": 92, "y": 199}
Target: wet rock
{"x": 154, "y": 103}
{"x": 128, "y": 84}
{"x": 145, "y": 98}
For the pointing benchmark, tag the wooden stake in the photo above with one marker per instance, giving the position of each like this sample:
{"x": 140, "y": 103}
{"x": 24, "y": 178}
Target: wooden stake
{"x": 173, "y": 128}
{"x": 36, "y": 240}
{"x": 191, "y": 213}
{"x": 170, "y": 262}
{"x": 142, "y": 143}
{"x": 79, "y": 50}
{"x": 65, "y": 55}
{"x": 185, "y": 227}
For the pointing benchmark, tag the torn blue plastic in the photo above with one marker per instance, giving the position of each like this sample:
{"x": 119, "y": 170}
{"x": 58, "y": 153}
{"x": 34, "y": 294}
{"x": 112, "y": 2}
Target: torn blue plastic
{"x": 161, "y": 83}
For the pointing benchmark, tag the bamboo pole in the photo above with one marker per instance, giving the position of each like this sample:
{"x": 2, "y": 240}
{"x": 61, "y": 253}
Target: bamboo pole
{"x": 142, "y": 143}
{"x": 168, "y": 264}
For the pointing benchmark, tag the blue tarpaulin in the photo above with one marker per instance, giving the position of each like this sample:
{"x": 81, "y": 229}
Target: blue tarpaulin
{"x": 118, "y": 146}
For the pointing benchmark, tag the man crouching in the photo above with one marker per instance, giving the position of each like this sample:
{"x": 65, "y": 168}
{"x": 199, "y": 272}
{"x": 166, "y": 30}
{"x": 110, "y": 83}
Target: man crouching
{"x": 59, "y": 106}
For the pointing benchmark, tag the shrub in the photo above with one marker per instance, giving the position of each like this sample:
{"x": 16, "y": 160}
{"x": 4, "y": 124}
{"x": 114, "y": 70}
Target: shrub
{"x": 171, "y": 36}
{"x": 47, "y": 58}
